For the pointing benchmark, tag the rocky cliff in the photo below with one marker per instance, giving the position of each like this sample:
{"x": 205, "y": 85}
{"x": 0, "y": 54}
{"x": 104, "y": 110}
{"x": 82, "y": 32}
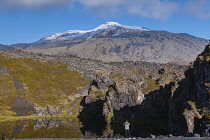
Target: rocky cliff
{"x": 172, "y": 97}
{"x": 178, "y": 95}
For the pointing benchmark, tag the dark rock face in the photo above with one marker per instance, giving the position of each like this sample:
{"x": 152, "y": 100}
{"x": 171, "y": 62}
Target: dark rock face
{"x": 202, "y": 77}
{"x": 193, "y": 94}
{"x": 134, "y": 92}
{"x": 181, "y": 100}
{"x": 202, "y": 85}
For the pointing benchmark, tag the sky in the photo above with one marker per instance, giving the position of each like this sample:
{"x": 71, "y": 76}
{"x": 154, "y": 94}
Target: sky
{"x": 27, "y": 21}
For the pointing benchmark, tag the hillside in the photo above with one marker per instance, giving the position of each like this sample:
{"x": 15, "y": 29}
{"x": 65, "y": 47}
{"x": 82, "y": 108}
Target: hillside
{"x": 7, "y": 47}
{"x": 34, "y": 84}
{"x": 39, "y": 82}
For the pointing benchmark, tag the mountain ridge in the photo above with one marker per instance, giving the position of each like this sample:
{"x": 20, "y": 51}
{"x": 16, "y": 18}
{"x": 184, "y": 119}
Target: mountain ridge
{"x": 113, "y": 42}
{"x": 72, "y": 34}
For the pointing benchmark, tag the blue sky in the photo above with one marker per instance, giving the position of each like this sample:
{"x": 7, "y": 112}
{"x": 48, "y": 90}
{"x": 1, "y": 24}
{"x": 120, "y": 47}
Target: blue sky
{"x": 25, "y": 21}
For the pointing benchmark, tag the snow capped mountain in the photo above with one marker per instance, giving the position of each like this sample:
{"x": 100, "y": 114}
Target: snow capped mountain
{"x": 108, "y": 25}
{"x": 100, "y": 30}
{"x": 113, "y": 42}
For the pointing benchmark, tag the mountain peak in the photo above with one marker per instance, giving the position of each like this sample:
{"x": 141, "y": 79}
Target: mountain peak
{"x": 107, "y": 25}
{"x": 112, "y": 23}
{"x": 80, "y": 34}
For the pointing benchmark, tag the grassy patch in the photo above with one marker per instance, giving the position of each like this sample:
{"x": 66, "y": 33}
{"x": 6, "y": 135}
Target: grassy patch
{"x": 7, "y": 94}
{"x": 46, "y": 82}
{"x": 151, "y": 85}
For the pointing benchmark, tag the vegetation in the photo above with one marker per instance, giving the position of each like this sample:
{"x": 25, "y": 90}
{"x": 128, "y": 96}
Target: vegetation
{"x": 46, "y": 83}
{"x": 151, "y": 85}
{"x": 7, "y": 94}
{"x": 31, "y": 130}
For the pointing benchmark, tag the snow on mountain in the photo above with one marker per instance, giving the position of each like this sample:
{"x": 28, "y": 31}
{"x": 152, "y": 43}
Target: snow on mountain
{"x": 82, "y": 35}
{"x": 113, "y": 42}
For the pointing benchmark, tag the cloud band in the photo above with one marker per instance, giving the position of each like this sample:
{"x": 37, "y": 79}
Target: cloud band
{"x": 157, "y": 9}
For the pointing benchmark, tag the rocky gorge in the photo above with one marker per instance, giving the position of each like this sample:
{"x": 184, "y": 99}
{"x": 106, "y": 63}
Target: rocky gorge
{"x": 174, "y": 97}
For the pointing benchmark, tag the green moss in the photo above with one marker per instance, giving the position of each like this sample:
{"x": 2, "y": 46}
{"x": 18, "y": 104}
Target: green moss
{"x": 99, "y": 74}
{"x": 194, "y": 109}
{"x": 95, "y": 93}
{"x": 173, "y": 88}
{"x": 111, "y": 89}
{"x": 7, "y": 94}
{"x": 67, "y": 131}
{"x": 207, "y": 114}
{"x": 109, "y": 117}
{"x": 7, "y": 128}
{"x": 46, "y": 82}
{"x": 147, "y": 78}
{"x": 117, "y": 75}
{"x": 151, "y": 86}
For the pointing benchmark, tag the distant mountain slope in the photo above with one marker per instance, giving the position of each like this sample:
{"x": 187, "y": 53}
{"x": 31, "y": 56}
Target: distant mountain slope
{"x": 7, "y": 47}
{"x": 114, "y": 42}
{"x": 101, "y": 31}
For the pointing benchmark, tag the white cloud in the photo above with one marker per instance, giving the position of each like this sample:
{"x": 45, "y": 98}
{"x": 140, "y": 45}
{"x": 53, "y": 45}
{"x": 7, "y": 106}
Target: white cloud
{"x": 157, "y": 9}
{"x": 33, "y": 4}
{"x": 198, "y": 8}
{"x": 102, "y": 7}
{"x": 152, "y": 8}
{"x": 100, "y": 3}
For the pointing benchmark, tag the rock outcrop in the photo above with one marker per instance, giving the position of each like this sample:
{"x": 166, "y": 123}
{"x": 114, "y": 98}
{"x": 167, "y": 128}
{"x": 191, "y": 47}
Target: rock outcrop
{"x": 176, "y": 97}
{"x": 180, "y": 96}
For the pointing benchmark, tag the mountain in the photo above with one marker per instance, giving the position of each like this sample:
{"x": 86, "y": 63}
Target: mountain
{"x": 113, "y": 42}
{"x": 101, "y": 31}
{"x": 7, "y": 47}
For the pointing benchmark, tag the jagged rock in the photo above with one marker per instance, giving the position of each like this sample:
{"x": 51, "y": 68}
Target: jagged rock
{"x": 124, "y": 95}
{"x": 47, "y": 110}
{"x": 189, "y": 116}
{"x": 194, "y": 93}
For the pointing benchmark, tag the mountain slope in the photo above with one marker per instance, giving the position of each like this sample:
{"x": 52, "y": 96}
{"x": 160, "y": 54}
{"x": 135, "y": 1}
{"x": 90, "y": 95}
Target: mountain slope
{"x": 46, "y": 86}
{"x": 114, "y": 42}
{"x": 102, "y": 30}
{"x": 7, "y": 47}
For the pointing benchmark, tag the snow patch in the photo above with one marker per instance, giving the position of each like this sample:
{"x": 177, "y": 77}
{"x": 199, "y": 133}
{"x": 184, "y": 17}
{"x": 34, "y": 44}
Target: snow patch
{"x": 72, "y": 34}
